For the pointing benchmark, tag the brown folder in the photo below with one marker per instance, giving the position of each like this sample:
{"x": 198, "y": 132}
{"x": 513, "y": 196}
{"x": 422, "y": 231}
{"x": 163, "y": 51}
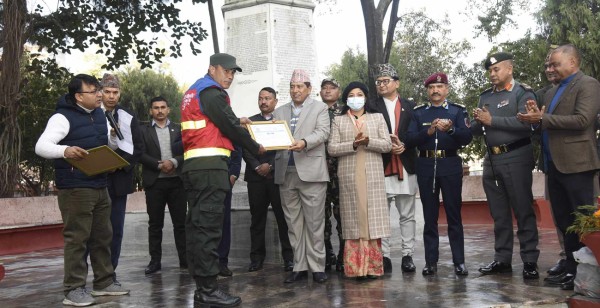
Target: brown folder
{"x": 100, "y": 160}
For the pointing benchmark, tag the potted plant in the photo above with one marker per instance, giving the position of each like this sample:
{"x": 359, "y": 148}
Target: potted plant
{"x": 587, "y": 226}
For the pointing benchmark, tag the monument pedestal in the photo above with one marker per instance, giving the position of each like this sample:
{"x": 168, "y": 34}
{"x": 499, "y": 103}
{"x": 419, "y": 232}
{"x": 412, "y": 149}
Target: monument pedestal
{"x": 269, "y": 40}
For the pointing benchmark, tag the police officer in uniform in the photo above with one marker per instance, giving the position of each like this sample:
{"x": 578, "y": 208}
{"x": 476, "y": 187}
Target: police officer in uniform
{"x": 439, "y": 129}
{"x": 209, "y": 129}
{"x": 507, "y": 166}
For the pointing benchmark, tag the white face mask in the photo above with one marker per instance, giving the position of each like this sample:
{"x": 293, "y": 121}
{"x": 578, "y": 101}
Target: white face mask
{"x": 356, "y": 103}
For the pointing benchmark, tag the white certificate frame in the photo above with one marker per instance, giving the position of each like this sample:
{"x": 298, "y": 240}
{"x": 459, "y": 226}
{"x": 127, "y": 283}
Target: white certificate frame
{"x": 272, "y": 135}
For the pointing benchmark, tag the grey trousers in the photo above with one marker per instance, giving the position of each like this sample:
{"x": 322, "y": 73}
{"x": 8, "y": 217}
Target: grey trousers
{"x": 406, "y": 208}
{"x": 302, "y": 204}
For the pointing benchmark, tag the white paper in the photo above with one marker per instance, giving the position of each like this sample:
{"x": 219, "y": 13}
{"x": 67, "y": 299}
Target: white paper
{"x": 125, "y": 126}
{"x": 271, "y": 135}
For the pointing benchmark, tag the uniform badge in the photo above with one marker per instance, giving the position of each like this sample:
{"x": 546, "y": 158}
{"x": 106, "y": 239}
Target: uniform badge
{"x": 439, "y": 78}
{"x": 503, "y": 103}
{"x": 426, "y": 124}
{"x": 493, "y": 60}
{"x": 467, "y": 123}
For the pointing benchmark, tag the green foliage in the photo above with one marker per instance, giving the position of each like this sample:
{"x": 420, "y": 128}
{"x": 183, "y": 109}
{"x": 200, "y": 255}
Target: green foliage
{"x": 352, "y": 67}
{"x": 575, "y": 22}
{"x": 139, "y": 86}
{"x": 38, "y": 103}
{"x": 116, "y": 27}
{"x": 587, "y": 220}
{"x": 493, "y": 16}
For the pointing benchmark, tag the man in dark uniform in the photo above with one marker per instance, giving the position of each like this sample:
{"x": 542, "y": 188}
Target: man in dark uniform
{"x": 438, "y": 130}
{"x": 330, "y": 94}
{"x": 209, "y": 129}
{"x": 507, "y": 168}
{"x": 263, "y": 191}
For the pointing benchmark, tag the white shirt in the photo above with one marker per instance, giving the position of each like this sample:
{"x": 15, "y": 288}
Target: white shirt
{"x": 56, "y": 130}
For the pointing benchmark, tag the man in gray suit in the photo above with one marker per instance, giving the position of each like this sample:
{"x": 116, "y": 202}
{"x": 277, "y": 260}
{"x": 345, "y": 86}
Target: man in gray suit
{"x": 301, "y": 172}
{"x": 567, "y": 122}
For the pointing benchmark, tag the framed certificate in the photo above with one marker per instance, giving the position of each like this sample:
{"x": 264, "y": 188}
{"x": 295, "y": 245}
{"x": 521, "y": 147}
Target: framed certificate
{"x": 99, "y": 160}
{"x": 273, "y": 135}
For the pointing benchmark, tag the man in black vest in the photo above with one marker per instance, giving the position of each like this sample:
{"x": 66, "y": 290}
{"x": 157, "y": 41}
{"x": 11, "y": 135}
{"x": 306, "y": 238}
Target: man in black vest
{"x": 83, "y": 200}
{"x": 162, "y": 160}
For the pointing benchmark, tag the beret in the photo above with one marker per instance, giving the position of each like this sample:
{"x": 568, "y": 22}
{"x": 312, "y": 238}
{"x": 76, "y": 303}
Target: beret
{"x": 497, "y": 58}
{"x": 436, "y": 78}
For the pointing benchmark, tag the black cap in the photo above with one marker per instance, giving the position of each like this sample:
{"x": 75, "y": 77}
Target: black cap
{"x": 225, "y": 60}
{"x": 497, "y": 58}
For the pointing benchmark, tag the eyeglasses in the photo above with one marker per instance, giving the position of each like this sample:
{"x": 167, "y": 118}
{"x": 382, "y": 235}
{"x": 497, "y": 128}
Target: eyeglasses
{"x": 91, "y": 92}
{"x": 383, "y": 82}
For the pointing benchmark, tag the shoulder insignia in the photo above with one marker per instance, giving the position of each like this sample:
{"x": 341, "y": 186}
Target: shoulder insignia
{"x": 526, "y": 87}
{"x": 486, "y": 91}
{"x": 420, "y": 106}
{"x": 458, "y": 105}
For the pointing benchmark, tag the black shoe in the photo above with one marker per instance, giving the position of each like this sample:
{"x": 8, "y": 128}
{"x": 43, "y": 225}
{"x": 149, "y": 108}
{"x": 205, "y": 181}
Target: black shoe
{"x": 558, "y": 268}
{"x": 569, "y": 284}
{"x": 530, "y": 270}
{"x": 288, "y": 265}
{"x": 224, "y": 271}
{"x": 495, "y": 268}
{"x": 330, "y": 260}
{"x": 339, "y": 265}
{"x": 255, "y": 266}
{"x": 408, "y": 266}
{"x": 296, "y": 276}
{"x": 387, "y": 265}
{"x": 558, "y": 279}
{"x": 461, "y": 269}
{"x": 209, "y": 294}
{"x": 429, "y": 269}
{"x": 153, "y": 267}
{"x": 319, "y": 277}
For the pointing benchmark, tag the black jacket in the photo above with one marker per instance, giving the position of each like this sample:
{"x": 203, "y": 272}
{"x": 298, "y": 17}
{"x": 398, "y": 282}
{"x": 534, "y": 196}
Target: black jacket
{"x": 409, "y": 156}
{"x": 151, "y": 153}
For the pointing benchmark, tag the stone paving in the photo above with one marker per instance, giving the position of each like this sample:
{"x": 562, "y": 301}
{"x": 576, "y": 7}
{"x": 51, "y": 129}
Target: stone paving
{"x": 35, "y": 279}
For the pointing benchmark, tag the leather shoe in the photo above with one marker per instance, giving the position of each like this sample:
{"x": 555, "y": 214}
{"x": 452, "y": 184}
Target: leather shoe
{"x": 255, "y": 266}
{"x": 288, "y": 265}
{"x": 569, "y": 284}
{"x": 429, "y": 269}
{"x": 461, "y": 269}
{"x": 530, "y": 270}
{"x": 296, "y": 276}
{"x": 495, "y": 268}
{"x": 558, "y": 279}
{"x": 224, "y": 271}
{"x": 319, "y": 277}
{"x": 152, "y": 267}
{"x": 408, "y": 266}
{"x": 387, "y": 265}
{"x": 558, "y": 268}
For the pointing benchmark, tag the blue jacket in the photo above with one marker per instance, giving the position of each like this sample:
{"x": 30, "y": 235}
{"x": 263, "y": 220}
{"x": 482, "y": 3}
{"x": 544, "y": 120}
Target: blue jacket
{"x": 86, "y": 130}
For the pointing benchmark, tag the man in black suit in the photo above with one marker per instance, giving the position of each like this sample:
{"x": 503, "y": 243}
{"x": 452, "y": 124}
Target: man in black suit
{"x": 399, "y": 164}
{"x": 161, "y": 160}
{"x": 262, "y": 191}
{"x": 120, "y": 182}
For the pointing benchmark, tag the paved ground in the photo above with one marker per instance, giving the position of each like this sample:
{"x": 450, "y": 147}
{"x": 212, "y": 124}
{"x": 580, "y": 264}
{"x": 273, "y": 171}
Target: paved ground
{"x": 35, "y": 279}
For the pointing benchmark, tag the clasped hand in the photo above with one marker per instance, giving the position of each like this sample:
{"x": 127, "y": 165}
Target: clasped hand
{"x": 533, "y": 114}
{"x": 360, "y": 139}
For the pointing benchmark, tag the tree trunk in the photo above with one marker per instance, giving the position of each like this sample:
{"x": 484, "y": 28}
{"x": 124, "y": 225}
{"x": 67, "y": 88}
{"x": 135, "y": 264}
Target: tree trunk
{"x": 374, "y": 30}
{"x": 10, "y": 78}
{"x": 213, "y": 26}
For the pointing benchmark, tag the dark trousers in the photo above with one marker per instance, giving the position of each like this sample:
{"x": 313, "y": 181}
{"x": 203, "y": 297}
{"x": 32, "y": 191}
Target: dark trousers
{"x": 85, "y": 214}
{"x": 117, "y": 220}
{"x": 567, "y": 193}
{"x": 451, "y": 188}
{"x": 166, "y": 192}
{"x": 205, "y": 191}
{"x": 225, "y": 244}
{"x": 260, "y": 195}
{"x": 332, "y": 207}
{"x": 512, "y": 195}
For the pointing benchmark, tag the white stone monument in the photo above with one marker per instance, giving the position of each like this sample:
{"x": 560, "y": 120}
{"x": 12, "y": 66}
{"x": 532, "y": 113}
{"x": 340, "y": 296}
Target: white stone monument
{"x": 269, "y": 39}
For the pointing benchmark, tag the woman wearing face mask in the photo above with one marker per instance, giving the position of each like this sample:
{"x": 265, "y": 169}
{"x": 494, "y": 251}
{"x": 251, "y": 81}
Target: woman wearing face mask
{"x": 358, "y": 138}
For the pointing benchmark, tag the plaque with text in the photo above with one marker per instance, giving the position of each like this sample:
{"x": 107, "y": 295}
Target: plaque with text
{"x": 99, "y": 160}
{"x": 272, "y": 135}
